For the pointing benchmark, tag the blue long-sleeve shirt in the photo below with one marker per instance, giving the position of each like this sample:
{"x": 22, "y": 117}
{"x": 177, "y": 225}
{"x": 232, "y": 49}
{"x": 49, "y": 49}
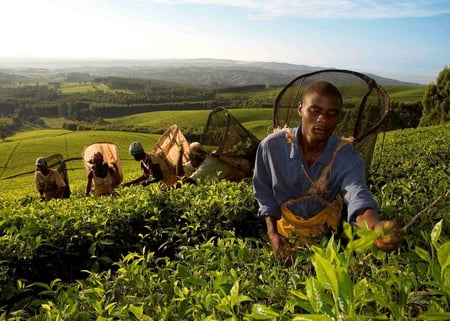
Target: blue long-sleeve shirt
{"x": 278, "y": 177}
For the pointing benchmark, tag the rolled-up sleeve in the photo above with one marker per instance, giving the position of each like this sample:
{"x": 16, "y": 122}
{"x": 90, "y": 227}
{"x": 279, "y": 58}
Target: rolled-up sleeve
{"x": 355, "y": 191}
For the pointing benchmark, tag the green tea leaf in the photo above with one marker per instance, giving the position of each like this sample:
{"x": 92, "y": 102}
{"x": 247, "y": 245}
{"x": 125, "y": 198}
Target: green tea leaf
{"x": 365, "y": 241}
{"x": 423, "y": 254}
{"x": 261, "y": 312}
{"x": 444, "y": 255}
{"x": 137, "y": 311}
{"x": 326, "y": 273}
{"x": 311, "y": 317}
{"x": 315, "y": 294}
{"x": 436, "y": 233}
{"x": 345, "y": 295}
{"x": 347, "y": 228}
{"x": 437, "y": 316}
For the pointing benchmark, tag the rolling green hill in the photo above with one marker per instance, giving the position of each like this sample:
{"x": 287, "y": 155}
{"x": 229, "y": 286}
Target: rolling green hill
{"x": 404, "y": 93}
{"x": 204, "y": 72}
{"x": 163, "y": 119}
{"x": 249, "y": 118}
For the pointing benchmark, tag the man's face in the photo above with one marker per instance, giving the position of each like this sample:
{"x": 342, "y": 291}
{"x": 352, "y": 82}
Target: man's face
{"x": 98, "y": 161}
{"x": 42, "y": 168}
{"x": 139, "y": 157}
{"x": 320, "y": 115}
{"x": 196, "y": 161}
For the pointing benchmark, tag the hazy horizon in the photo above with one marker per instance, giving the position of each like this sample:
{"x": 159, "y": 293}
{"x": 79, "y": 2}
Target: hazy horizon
{"x": 405, "y": 40}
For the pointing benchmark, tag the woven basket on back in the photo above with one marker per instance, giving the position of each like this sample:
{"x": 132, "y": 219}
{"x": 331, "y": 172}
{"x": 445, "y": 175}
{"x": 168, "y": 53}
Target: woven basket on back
{"x": 365, "y": 104}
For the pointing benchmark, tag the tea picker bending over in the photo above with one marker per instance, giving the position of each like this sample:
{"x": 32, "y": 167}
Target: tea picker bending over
{"x": 49, "y": 183}
{"x": 304, "y": 176}
{"x": 154, "y": 167}
{"x": 101, "y": 176}
{"x": 201, "y": 165}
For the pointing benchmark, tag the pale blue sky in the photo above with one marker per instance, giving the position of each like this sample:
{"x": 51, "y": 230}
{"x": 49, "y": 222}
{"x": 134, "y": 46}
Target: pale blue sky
{"x": 403, "y": 39}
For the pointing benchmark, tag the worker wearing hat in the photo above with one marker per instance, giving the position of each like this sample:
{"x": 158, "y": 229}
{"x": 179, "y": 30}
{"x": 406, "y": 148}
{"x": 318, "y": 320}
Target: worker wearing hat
{"x": 201, "y": 165}
{"x": 49, "y": 182}
{"x": 154, "y": 167}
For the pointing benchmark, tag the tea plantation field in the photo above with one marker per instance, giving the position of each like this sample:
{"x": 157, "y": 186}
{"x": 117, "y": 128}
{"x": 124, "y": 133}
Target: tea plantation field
{"x": 199, "y": 252}
{"x": 18, "y": 153}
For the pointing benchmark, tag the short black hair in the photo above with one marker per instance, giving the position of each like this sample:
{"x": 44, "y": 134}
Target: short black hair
{"x": 324, "y": 88}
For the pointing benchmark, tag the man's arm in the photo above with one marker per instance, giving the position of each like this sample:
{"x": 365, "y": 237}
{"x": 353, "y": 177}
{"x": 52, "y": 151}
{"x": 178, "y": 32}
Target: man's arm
{"x": 38, "y": 185}
{"x": 112, "y": 169}
{"x": 137, "y": 180}
{"x": 179, "y": 168}
{"x": 280, "y": 245}
{"x": 89, "y": 183}
{"x": 60, "y": 183}
{"x": 388, "y": 242}
{"x": 115, "y": 173}
{"x": 268, "y": 207}
{"x": 262, "y": 185}
{"x": 141, "y": 178}
{"x": 362, "y": 208}
{"x": 156, "y": 173}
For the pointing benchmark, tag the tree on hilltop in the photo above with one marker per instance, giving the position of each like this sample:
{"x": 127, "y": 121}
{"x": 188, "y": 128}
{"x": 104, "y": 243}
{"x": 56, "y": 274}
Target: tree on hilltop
{"x": 436, "y": 100}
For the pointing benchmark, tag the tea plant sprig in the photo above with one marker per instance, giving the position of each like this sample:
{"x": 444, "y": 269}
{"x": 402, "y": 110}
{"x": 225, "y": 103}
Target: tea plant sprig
{"x": 425, "y": 210}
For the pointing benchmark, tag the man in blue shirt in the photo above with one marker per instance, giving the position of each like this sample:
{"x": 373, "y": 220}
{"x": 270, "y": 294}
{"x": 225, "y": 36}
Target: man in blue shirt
{"x": 303, "y": 176}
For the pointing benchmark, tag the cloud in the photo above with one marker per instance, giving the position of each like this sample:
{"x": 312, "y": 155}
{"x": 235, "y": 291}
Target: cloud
{"x": 359, "y": 9}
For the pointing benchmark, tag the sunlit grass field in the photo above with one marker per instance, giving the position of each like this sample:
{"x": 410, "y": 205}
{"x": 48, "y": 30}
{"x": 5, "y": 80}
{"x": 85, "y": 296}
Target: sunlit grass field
{"x": 256, "y": 120}
{"x": 74, "y": 87}
{"x": 19, "y": 152}
{"x": 404, "y": 94}
{"x": 164, "y": 119}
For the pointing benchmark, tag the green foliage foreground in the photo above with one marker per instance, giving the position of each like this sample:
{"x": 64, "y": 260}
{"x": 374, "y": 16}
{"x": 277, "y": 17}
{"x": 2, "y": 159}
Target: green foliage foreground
{"x": 199, "y": 253}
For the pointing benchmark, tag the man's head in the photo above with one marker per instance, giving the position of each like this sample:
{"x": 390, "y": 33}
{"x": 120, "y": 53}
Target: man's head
{"x": 136, "y": 150}
{"x": 197, "y": 154}
{"x": 41, "y": 165}
{"x": 97, "y": 159}
{"x": 320, "y": 110}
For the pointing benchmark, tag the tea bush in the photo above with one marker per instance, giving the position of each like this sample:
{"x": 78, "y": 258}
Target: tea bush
{"x": 199, "y": 252}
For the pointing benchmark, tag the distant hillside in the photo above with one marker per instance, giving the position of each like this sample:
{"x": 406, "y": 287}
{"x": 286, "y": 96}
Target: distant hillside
{"x": 204, "y": 72}
{"x": 12, "y": 78}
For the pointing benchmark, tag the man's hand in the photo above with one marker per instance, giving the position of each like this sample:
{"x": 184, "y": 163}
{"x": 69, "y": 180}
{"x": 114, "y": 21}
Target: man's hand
{"x": 281, "y": 247}
{"x": 391, "y": 238}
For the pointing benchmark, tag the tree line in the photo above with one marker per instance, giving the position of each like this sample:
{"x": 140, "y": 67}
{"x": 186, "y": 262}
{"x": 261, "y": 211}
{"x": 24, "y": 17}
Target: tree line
{"x": 125, "y": 96}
